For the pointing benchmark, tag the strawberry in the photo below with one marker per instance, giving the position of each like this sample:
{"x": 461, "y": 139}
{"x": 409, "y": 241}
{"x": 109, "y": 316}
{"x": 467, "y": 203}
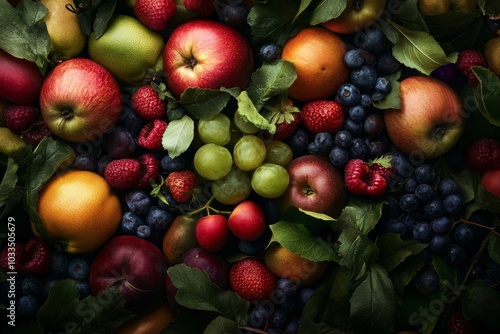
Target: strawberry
{"x": 483, "y": 155}
{"x": 362, "y": 181}
{"x": 203, "y": 8}
{"x": 468, "y": 58}
{"x": 149, "y": 170}
{"x": 322, "y": 116}
{"x": 252, "y": 280}
{"x": 458, "y": 324}
{"x": 122, "y": 174}
{"x": 33, "y": 257}
{"x": 284, "y": 115}
{"x": 181, "y": 185}
{"x": 148, "y": 104}
{"x": 151, "y": 135}
{"x": 19, "y": 118}
{"x": 36, "y": 133}
{"x": 155, "y": 14}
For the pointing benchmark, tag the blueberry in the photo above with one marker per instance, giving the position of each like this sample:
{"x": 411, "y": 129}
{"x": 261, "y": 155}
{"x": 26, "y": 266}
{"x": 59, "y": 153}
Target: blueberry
{"x": 422, "y": 232}
{"x": 357, "y": 113}
{"x": 235, "y": 16}
{"x": 409, "y": 202}
{"x": 338, "y": 156}
{"x": 387, "y": 64}
{"x": 377, "y": 146}
{"x": 133, "y": 122}
{"x": 410, "y": 185}
{"x": 120, "y": 143}
{"x": 78, "y": 268}
{"x": 373, "y": 125}
{"x": 378, "y": 96}
{"x": 269, "y": 52}
{"x": 83, "y": 288}
{"x": 396, "y": 226}
{"x": 354, "y": 58}
{"x": 447, "y": 187}
{"x": 401, "y": 164}
{"x": 299, "y": 141}
{"x": 424, "y": 173}
{"x": 250, "y": 247}
{"x": 446, "y": 73}
{"x": 434, "y": 208}
{"x": 438, "y": 244}
{"x": 441, "y": 225}
{"x": 27, "y": 306}
{"x": 138, "y": 201}
{"x": 348, "y": 94}
{"x": 130, "y": 222}
{"x": 358, "y": 149}
{"x": 324, "y": 142}
{"x": 364, "y": 78}
{"x": 32, "y": 285}
{"x": 59, "y": 264}
{"x": 365, "y": 100}
{"x": 372, "y": 40}
{"x": 383, "y": 85}
{"x": 424, "y": 192}
{"x": 454, "y": 204}
{"x": 287, "y": 286}
{"x": 292, "y": 328}
{"x": 258, "y": 316}
{"x": 159, "y": 219}
{"x": 143, "y": 231}
{"x": 102, "y": 163}
{"x": 170, "y": 165}
{"x": 343, "y": 139}
{"x": 464, "y": 234}
{"x": 409, "y": 221}
{"x": 279, "y": 318}
{"x": 86, "y": 161}
{"x": 454, "y": 255}
{"x": 304, "y": 295}
{"x": 427, "y": 281}
{"x": 353, "y": 127}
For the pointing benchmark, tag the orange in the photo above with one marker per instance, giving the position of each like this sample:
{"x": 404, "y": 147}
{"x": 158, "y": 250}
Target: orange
{"x": 149, "y": 323}
{"x": 318, "y": 56}
{"x": 80, "y": 209}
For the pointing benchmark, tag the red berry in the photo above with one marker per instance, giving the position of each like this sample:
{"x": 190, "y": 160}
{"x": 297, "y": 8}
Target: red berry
{"x": 483, "y": 155}
{"x": 122, "y": 174}
{"x": 19, "y": 118}
{"x": 11, "y": 258}
{"x": 151, "y": 134}
{"x": 147, "y": 103}
{"x": 37, "y": 256}
{"x": 149, "y": 170}
{"x": 181, "y": 185}
{"x": 322, "y": 116}
{"x": 252, "y": 280}
{"x": 155, "y": 14}
{"x": 468, "y": 58}
{"x": 36, "y": 133}
{"x": 362, "y": 181}
{"x": 458, "y": 324}
{"x": 203, "y": 8}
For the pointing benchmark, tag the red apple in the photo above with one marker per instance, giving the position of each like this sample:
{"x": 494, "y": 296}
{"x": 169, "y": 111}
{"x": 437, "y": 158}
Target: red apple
{"x": 357, "y": 15}
{"x": 430, "y": 120}
{"x": 134, "y": 265}
{"x": 206, "y": 54}
{"x": 315, "y": 185}
{"x": 490, "y": 180}
{"x": 212, "y": 232}
{"x": 80, "y": 100}
{"x": 247, "y": 221}
{"x": 21, "y": 80}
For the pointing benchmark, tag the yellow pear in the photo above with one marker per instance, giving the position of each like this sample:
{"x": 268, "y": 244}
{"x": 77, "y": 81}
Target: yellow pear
{"x": 66, "y": 38}
{"x": 434, "y": 7}
{"x": 491, "y": 54}
{"x": 466, "y": 6}
{"x": 128, "y": 49}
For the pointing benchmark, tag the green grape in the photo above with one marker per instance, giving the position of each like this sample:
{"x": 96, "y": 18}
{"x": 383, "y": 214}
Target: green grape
{"x": 278, "y": 152}
{"x": 270, "y": 180}
{"x": 243, "y": 125}
{"x": 232, "y": 188}
{"x": 249, "y": 152}
{"x": 212, "y": 161}
{"x": 215, "y": 130}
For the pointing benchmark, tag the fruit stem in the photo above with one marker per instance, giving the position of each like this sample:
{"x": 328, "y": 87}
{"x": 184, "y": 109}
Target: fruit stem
{"x": 209, "y": 208}
{"x": 491, "y": 229}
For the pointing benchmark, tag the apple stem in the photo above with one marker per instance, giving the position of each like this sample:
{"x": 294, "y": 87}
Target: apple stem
{"x": 438, "y": 133}
{"x": 357, "y": 4}
{"x": 209, "y": 208}
{"x": 191, "y": 62}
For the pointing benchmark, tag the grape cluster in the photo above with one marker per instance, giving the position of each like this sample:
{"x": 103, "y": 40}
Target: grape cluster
{"x": 282, "y": 313}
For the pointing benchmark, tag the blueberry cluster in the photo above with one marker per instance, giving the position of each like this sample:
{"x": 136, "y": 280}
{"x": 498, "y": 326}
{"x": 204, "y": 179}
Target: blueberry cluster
{"x": 282, "y": 313}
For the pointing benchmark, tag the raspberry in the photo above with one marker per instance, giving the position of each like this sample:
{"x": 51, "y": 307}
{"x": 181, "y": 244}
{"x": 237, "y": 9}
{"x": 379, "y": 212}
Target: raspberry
{"x": 155, "y": 14}
{"x": 322, "y": 116}
{"x": 37, "y": 256}
{"x": 17, "y": 252}
{"x": 468, "y": 58}
{"x": 151, "y": 134}
{"x": 203, "y": 8}
{"x": 37, "y": 132}
{"x": 458, "y": 324}
{"x": 483, "y": 155}
{"x": 122, "y": 174}
{"x": 181, "y": 185}
{"x": 362, "y": 181}
{"x": 19, "y": 118}
{"x": 149, "y": 169}
{"x": 252, "y": 280}
{"x": 147, "y": 103}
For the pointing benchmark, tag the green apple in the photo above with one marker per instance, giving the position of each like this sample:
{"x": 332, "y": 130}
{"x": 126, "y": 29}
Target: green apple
{"x": 357, "y": 15}
{"x": 128, "y": 49}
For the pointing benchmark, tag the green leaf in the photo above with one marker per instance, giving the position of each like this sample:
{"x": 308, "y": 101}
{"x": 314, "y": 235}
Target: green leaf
{"x": 475, "y": 297}
{"x": 338, "y": 306}
{"x": 297, "y": 239}
{"x": 494, "y": 247}
{"x": 270, "y": 80}
{"x": 357, "y": 255}
{"x": 24, "y": 33}
{"x": 419, "y": 50}
{"x": 249, "y": 113}
{"x": 374, "y": 303}
{"x": 405, "y": 272}
{"x": 221, "y": 325}
{"x": 447, "y": 275}
{"x": 204, "y": 103}
{"x": 195, "y": 290}
{"x": 178, "y": 136}
{"x": 408, "y": 15}
{"x": 104, "y": 13}
{"x": 59, "y": 307}
{"x": 445, "y": 25}
{"x": 315, "y": 222}
{"x": 394, "y": 250}
{"x": 9, "y": 181}
{"x": 302, "y": 7}
{"x": 468, "y": 182}
{"x": 327, "y": 10}
{"x": 183, "y": 323}
{"x": 487, "y": 94}
{"x": 393, "y": 99}
{"x": 362, "y": 213}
